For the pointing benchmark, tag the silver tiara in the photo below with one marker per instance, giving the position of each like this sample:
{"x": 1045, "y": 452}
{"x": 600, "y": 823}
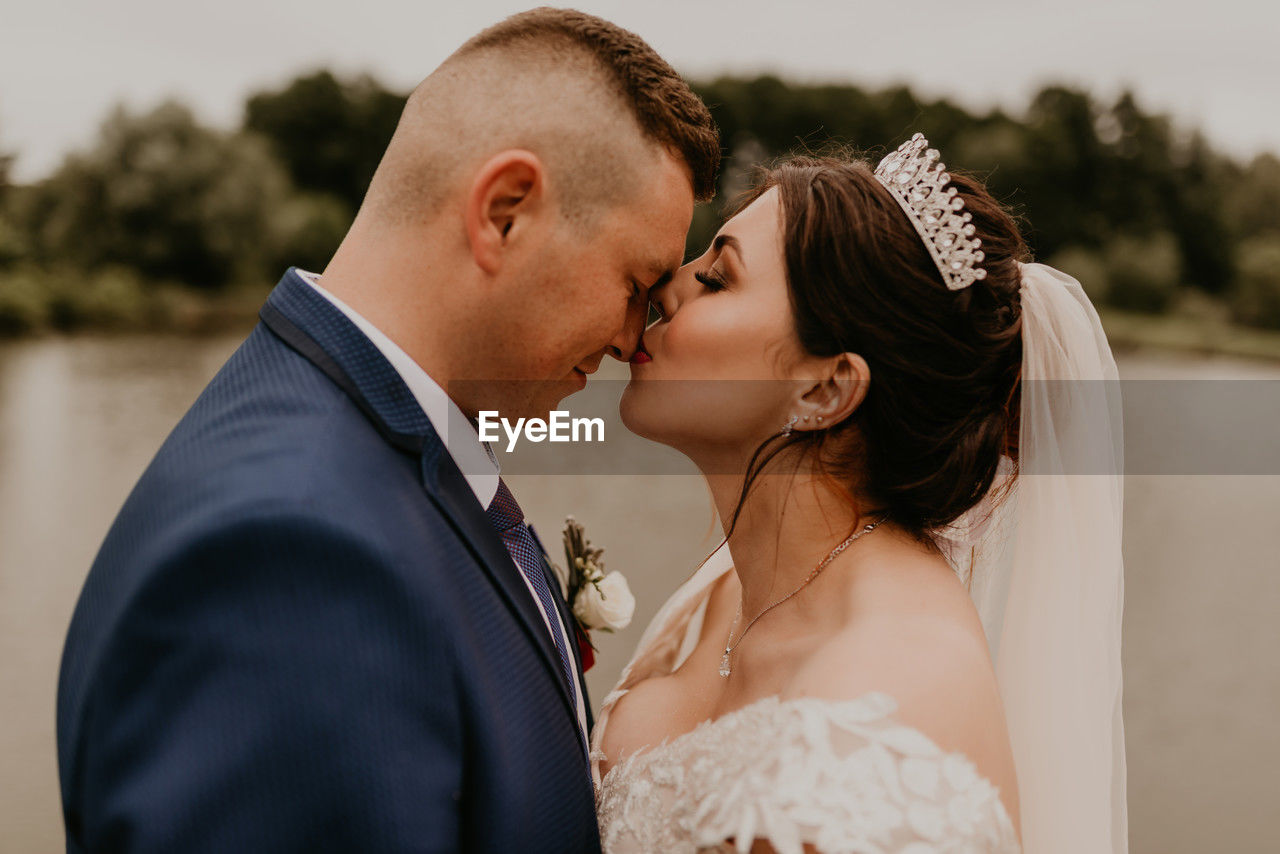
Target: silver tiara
{"x": 920, "y": 188}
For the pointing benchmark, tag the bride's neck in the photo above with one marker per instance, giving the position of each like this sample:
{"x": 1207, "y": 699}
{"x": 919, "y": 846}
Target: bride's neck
{"x": 787, "y": 525}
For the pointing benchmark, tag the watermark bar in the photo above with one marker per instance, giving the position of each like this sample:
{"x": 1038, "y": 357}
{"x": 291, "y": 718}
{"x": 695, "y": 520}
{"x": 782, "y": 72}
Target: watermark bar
{"x": 1169, "y": 426}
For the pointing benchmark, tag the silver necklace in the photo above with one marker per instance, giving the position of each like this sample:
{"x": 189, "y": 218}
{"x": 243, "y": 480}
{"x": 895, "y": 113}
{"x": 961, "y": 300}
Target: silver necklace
{"x": 725, "y": 667}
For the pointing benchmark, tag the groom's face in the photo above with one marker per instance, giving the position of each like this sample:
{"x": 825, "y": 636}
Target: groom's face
{"x": 592, "y": 284}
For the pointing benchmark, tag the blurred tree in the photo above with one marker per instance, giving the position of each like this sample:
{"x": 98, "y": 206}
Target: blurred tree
{"x": 1140, "y": 172}
{"x": 996, "y": 146}
{"x": 1143, "y": 273}
{"x": 1066, "y": 175}
{"x": 307, "y": 230}
{"x": 24, "y": 303}
{"x": 1252, "y": 196}
{"x": 1197, "y": 215}
{"x": 1137, "y": 206}
{"x": 1079, "y": 171}
{"x": 1087, "y": 266}
{"x": 1255, "y": 299}
{"x": 329, "y": 133}
{"x": 164, "y": 195}
{"x": 13, "y": 243}
{"x": 1160, "y": 181}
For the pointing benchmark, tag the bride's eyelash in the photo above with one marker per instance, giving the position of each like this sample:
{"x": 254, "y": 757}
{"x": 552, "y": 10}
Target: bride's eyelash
{"x": 712, "y": 280}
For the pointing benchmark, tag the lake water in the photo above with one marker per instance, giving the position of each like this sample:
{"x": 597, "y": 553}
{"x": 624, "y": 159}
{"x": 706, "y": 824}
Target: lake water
{"x": 80, "y": 418}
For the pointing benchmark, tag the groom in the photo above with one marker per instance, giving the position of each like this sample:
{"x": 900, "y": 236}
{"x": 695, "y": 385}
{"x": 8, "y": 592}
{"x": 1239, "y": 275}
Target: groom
{"x": 319, "y": 623}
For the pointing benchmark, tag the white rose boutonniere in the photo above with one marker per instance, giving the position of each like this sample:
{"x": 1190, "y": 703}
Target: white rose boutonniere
{"x": 605, "y": 604}
{"x": 598, "y": 600}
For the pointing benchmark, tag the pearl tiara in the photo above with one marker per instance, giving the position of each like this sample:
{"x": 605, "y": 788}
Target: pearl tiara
{"x": 920, "y": 188}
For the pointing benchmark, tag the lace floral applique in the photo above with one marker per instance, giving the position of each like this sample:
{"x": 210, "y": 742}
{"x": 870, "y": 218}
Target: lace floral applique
{"x": 841, "y": 776}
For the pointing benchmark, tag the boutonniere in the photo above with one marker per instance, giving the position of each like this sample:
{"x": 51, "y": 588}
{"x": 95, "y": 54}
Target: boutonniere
{"x": 598, "y": 600}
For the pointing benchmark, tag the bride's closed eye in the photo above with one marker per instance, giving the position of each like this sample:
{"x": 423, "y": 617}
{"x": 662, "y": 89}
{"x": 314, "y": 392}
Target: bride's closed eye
{"x": 712, "y": 279}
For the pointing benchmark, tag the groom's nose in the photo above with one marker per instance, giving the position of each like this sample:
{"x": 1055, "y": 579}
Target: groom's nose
{"x": 623, "y": 345}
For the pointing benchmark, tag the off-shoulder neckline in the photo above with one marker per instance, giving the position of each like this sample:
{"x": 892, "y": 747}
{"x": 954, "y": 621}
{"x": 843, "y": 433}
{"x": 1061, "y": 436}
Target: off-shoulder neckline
{"x": 882, "y": 706}
{"x": 888, "y": 705}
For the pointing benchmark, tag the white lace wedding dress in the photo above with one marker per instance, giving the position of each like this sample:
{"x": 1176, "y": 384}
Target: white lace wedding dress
{"x": 839, "y": 776}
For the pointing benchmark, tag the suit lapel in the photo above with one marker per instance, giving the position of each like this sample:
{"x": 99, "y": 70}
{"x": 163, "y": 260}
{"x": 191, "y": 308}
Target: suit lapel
{"x": 570, "y": 625}
{"x": 319, "y": 332}
{"x": 456, "y": 500}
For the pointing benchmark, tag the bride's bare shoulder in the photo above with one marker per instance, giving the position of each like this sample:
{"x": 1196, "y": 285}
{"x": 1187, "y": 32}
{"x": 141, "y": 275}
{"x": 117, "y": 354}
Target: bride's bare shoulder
{"x": 901, "y": 622}
{"x": 917, "y": 637}
{"x": 934, "y": 665}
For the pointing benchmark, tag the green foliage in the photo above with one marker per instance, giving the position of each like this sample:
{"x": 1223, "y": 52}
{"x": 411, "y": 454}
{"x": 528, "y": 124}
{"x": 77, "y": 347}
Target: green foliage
{"x": 34, "y": 299}
{"x": 1120, "y": 198}
{"x": 1078, "y": 171}
{"x": 112, "y": 298}
{"x": 1256, "y": 297}
{"x": 329, "y": 133}
{"x": 1143, "y": 273}
{"x": 163, "y": 195}
{"x": 1252, "y": 197}
{"x": 13, "y": 243}
{"x": 1064, "y": 184}
{"x": 306, "y": 229}
{"x": 24, "y": 304}
{"x": 1087, "y": 266}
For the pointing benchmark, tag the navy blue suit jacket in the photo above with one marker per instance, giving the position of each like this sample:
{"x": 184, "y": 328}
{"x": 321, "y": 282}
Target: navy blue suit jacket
{"x": 302, "y": 634}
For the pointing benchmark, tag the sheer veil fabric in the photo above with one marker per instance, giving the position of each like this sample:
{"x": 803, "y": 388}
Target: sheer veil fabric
{"x": 1047, "y": 576}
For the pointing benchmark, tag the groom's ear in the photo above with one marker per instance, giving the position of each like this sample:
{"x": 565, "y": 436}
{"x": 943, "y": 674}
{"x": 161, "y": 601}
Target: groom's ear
{"x": 841, "y": 390}
{"x": 504, "y": 193}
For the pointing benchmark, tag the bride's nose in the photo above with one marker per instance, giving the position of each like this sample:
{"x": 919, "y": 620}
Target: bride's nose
{"x": 668, "y": 298}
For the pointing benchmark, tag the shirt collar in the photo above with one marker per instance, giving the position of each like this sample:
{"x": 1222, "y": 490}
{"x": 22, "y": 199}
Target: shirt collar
{"x": 474, "y": 458}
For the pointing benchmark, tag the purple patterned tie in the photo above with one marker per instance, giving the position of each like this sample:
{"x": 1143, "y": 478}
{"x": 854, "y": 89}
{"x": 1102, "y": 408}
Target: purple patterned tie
{"x": 506, "y": 516}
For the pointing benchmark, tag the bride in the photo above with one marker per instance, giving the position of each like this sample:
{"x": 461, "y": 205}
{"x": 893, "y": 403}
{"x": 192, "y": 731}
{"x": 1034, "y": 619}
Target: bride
{"x": 909, "y": 640}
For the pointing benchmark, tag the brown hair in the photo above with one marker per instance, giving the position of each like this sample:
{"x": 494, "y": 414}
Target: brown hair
{"x": 665, "y": 107}
{"x": 925, "y": 444}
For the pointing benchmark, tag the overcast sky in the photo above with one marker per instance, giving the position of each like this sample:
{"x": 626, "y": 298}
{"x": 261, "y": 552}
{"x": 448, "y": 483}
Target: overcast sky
{"x": 1214, "y": 64}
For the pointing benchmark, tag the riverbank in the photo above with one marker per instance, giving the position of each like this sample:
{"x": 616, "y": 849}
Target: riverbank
{"x": 36, "y": 302}
{"x": 1204, "y": 334}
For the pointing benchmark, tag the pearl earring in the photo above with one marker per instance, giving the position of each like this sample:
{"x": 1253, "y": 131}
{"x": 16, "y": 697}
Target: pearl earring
{"x": 806, "y": 419}
{"x": 819, "y": 419}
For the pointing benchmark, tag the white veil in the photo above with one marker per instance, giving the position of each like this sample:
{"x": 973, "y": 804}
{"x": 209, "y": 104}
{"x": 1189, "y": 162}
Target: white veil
{"x": 1047, "y": 576}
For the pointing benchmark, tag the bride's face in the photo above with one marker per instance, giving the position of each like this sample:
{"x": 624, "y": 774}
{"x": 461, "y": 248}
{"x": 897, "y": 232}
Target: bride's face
{"x": 722, "y": 356}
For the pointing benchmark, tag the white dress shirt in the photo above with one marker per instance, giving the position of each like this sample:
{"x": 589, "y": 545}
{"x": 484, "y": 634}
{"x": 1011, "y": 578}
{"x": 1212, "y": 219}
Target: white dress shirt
{"x": 474, "y": 458}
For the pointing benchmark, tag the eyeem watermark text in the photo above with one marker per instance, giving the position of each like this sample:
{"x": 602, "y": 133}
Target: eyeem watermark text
{"x": 560, "y": 428}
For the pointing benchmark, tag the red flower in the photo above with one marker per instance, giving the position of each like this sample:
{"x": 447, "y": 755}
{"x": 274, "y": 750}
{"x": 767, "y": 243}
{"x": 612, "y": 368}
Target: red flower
{"x": 585, "y": 649}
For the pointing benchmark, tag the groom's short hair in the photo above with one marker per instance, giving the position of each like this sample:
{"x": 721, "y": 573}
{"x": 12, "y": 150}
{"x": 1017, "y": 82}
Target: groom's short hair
{"x": 584, "y": 94}
{"x": 661, "y": 101}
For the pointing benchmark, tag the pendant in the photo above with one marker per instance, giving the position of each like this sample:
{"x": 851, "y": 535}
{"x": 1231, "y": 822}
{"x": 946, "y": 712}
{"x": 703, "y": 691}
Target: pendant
{"x": 725, "y": 670}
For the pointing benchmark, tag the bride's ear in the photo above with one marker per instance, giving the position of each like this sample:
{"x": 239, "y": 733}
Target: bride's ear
{"x": 834, "y": 397}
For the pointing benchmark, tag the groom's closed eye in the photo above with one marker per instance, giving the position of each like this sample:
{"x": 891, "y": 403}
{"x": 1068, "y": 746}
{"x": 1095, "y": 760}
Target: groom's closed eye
{"x": 641, "y": 291}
